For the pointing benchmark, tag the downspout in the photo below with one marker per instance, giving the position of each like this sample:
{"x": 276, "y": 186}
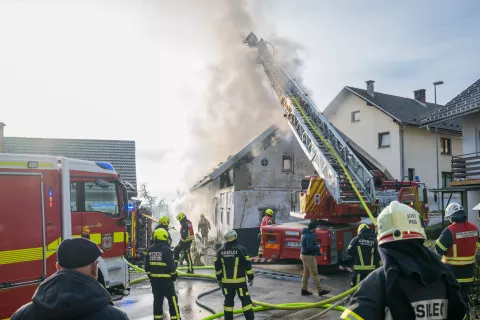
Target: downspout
{"x": 402, "y": 151}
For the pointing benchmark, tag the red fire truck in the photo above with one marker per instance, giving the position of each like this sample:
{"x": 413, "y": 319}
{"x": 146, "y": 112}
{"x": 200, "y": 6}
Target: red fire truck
{"x": 45, "y": 199}
{"x": 139, "y": 228}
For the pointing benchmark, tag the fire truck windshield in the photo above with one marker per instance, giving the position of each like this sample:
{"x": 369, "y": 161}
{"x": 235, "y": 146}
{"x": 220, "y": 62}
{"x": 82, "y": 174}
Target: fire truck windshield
{"x": 95, "y": 196}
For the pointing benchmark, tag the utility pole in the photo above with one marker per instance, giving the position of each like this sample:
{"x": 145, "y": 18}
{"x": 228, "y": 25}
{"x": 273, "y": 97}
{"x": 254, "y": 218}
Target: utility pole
{"x": 435, "y": 84}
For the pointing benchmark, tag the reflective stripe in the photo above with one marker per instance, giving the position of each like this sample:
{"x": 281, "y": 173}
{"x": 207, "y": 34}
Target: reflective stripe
{"x": 465, "y": 280}
{"x": 362, "y": 268}
{"x": 240, "y": 292}
{"x": 160, "y": 275}
{"x": 440, "y": 245}
{"x": 118, "y": 237}
{"x": 225, "y": 291}
{"x": 224, "y": 270}
{"x": 158, "y": 317}
{"x": 162, "y": 264}
{"x": 228, "y": 309}
{"x": 219, "y": 272}
{"x": 148, "y": 273}
{"x": 96, "y": 237}
{"x": 247, "y": 307}
{"x": 458, "y": 261}
{"x": 249, "y": 271}
{"x": 360, "y": 255}
{"x": 24, "y": 164}
{"x": 31, "y": 254}
{"x": 235, "y": 269}
{"x": 455, "y": 250}
{"x": 175, "y": 307}
{"x": 239, "y": 280}
{"x": 247, "y": 258}
{"x": 372, "y": 258}
{"x": 350, "y": 315}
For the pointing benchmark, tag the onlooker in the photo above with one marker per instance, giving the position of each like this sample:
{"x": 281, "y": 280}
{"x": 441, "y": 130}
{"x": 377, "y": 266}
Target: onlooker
{"x": 203, "y": 228}
{"x": 310, "y": 249}
{"x": 73, "y": 292}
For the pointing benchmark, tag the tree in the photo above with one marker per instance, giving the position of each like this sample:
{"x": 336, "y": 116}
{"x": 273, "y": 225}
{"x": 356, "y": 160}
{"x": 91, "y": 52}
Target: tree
{"x": 158, "y": 207}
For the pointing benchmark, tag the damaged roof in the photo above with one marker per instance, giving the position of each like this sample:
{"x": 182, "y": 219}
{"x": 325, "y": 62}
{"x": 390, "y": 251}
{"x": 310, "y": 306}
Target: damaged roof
{"x": 223, "y": 167}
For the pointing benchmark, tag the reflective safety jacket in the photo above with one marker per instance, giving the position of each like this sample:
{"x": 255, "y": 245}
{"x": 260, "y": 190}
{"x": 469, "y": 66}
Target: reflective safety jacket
{"x": 164, "y": 227}
{"x": 232, "y": 265}
{"x": 186, "y": 231}
{"x": 267, "y": 220}
{"x": 159, "y": 262}
{"x": 364, "y": 248}
{"x": 458, "y": 245}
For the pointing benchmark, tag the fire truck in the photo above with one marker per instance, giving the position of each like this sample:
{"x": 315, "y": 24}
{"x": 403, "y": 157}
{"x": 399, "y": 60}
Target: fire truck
{"x": 139, "y": 229}
{"x": 45, "y": 199}
{"x": 349, "y": 184}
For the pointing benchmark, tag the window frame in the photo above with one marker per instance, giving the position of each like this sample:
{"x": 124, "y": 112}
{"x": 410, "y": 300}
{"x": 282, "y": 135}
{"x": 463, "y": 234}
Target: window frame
{"x": 287, "y": 157}
{"x": 353, "y": 116}
{"x": 413, "y": 175}
{"x": 449, "y": 151}
{"x": 81, "y": 200}
{"x": 380, "y": 135}
{"x": 444, "y": 178}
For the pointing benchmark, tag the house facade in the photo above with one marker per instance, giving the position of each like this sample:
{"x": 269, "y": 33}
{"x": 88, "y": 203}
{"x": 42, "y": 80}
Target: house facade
{"x": 260, "y": 176}
{"x": 388, "y": 127}
{"x": 465, "y": 164}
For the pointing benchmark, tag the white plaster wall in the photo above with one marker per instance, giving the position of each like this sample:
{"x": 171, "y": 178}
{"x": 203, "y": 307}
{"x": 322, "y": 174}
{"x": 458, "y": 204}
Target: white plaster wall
{"x": 248, "y": 204}
{"x": 471, "y": 128}
{"x": 473, "y": 198}
{"x": 420, "y": 153}
{"x": 365, "y": 133}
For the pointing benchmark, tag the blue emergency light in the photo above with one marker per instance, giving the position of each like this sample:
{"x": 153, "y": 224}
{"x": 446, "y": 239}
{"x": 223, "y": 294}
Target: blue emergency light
{"x": 104, "y": 165}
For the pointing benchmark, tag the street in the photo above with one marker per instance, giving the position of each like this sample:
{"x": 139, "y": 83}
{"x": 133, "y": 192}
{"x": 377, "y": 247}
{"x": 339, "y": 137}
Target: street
{"x": 139, "y": 305}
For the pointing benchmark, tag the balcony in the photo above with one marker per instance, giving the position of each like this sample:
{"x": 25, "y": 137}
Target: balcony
{"x": 466, "y": 169}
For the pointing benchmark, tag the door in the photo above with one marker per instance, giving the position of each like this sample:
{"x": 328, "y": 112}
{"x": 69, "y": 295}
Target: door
{"x": 22, "y": 229}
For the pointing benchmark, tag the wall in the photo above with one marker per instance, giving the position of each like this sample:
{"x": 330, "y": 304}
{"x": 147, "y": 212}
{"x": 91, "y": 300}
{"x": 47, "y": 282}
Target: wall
{"x": 365, "y": 132}
{"x": 471, "y": 143}
{"x": 420, "y": 153}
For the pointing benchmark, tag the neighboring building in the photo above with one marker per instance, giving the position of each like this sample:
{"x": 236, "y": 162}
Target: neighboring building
{"x": 465, "y": 162}
{"x": 388, "y": 128}
{"x": 260, "y": 176}
{"x": 120, "y": 153}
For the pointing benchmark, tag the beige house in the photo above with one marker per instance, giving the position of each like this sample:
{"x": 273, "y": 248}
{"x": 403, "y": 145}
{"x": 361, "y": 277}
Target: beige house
{"x": 388, "y": 127}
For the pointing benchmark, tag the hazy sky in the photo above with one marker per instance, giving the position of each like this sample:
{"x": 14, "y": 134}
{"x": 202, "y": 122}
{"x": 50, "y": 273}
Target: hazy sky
{"x": 138, "y": 70}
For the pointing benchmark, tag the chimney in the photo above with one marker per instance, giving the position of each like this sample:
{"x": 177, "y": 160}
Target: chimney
{"x": 419, "y": 95}
{"x": 370, "y": 89}
{"x": 1, "y": 136}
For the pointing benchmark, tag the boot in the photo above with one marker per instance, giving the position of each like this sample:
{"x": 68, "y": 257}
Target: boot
{"x": 306, "y": 293}
{"x": 323, "y": 292}
{"x": 190, "y": 271}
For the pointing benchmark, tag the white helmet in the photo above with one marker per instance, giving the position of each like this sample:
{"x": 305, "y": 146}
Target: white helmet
{"x": 454, "y": 210}
{"x": 399, "y": 222}
{"x": 230, "y": 235}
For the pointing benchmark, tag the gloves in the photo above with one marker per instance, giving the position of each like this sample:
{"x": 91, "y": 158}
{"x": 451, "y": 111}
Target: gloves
{"x": 250, "y": 281}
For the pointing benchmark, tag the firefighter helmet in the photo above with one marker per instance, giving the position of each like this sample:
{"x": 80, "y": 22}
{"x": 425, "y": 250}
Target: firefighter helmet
{"x": 361, "y": 227}
{"x": 454, "y": 210}
{"x": 230, "y": 235}
{"x": 399, "y": 222}
{"x": 269, "y": 212}
{"x": 164, "y": 220}
{"x": 202, "y": 216}
{"x": 160, "y": 234}
{"x": 181, "y": 216}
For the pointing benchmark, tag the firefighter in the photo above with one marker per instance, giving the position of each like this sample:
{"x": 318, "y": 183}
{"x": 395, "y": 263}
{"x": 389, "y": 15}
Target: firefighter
{"x": 232, "y": 266}
{"x": 363, "y": 248}
{"x": 203, "y": 228}
{"x": 186, "y": 237}
{"x": 458, "y": 245}
{"x": 266, "y": 221}
{"x": 164, "y": 224}
{"x": 412, "y": 283}
{"x": 162, "y": 272}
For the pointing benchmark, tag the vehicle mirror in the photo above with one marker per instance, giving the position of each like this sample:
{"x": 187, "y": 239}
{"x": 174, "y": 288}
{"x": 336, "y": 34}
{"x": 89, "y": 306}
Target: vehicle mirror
{"x": 102, "y": 183}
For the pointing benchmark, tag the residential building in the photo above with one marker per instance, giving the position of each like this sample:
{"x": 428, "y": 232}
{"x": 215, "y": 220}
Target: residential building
{"x": 388, "y": 127}
{"x": 120, "y": 153}
{"x": 465, "y": 163}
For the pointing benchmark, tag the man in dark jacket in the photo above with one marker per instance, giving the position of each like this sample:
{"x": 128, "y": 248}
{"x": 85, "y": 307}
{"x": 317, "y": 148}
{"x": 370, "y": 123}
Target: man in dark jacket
{"x": 73, "y": 292}
{"x": 164, "y": 223}
{"x": 186, "y": 237}
{"x": 162, "y": 272}
{"x": 310, "y": 249}
{"x": 412, "y": 283}
{"x": 363, "y": 248}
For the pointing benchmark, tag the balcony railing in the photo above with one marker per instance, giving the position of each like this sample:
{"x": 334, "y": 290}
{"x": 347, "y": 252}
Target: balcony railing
{"x": 466, "y": 167}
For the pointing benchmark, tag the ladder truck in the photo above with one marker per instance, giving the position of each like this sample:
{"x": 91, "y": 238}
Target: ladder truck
{"x": 350, "y": 184}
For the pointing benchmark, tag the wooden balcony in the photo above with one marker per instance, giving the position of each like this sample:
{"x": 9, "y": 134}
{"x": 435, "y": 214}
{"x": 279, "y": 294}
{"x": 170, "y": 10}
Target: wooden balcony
{"x": 466, "y": 169}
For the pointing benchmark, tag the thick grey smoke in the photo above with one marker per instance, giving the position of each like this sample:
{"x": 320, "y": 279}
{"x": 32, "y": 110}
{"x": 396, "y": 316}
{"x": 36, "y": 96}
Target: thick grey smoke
{"x": 239, "y": 102}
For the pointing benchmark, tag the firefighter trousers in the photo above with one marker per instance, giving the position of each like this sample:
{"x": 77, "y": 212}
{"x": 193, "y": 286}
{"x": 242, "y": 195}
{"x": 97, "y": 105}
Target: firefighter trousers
{"x": 358, "y": 276}
{"x": 164, "y": 288}
{"x": 229, "y": 304}
{"x": 185, "y": 248}
{"x": 465, "y": 288}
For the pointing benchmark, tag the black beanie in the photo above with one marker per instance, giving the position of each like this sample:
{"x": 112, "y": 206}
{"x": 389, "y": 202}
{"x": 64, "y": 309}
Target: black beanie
{"x": 312, "y": 225}
{"x": 77, "y": 253}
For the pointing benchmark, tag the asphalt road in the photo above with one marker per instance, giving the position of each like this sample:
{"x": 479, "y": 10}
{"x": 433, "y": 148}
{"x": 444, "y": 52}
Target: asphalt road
{"x": 268, "y": 288}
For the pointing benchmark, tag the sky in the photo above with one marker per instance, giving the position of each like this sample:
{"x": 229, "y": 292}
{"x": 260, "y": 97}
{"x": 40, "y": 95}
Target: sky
{"x": 171, "y": 74}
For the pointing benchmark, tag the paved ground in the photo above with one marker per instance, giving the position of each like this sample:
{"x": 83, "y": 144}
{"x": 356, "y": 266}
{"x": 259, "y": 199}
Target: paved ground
{"x": 266, "y": 288}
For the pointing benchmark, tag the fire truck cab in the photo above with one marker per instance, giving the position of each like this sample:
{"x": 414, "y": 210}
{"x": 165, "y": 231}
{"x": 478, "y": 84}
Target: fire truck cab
{"x": 45, "y": 199}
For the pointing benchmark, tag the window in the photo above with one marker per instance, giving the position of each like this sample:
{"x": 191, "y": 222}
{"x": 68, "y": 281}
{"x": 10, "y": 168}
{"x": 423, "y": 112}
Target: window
{"x": 287, "y": 164}
{"x": 264, "y": 162}
{"x": 94, "y": 196}
{"x": 411, "y": 174}
{"x": 356, "y": 116}
{"x": 446, "y": 179}
{"x": 384, "y": 140}
{"x": 445, "y": 146}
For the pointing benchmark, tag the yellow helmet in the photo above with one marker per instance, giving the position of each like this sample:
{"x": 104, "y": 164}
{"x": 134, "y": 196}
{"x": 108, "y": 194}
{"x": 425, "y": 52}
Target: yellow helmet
{"x": 160, "y": 234}
{"x": 399, "y": 222}
{"x": 180, "y": 216}
{"x": 361, "y": 227}
{"x": 269, "y": 212}
{"x": 165, "y": 220}
{"x": 202, "y": 215}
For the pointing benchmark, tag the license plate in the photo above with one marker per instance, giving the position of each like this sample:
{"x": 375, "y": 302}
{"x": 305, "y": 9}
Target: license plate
{"x": 294, "y": 244}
